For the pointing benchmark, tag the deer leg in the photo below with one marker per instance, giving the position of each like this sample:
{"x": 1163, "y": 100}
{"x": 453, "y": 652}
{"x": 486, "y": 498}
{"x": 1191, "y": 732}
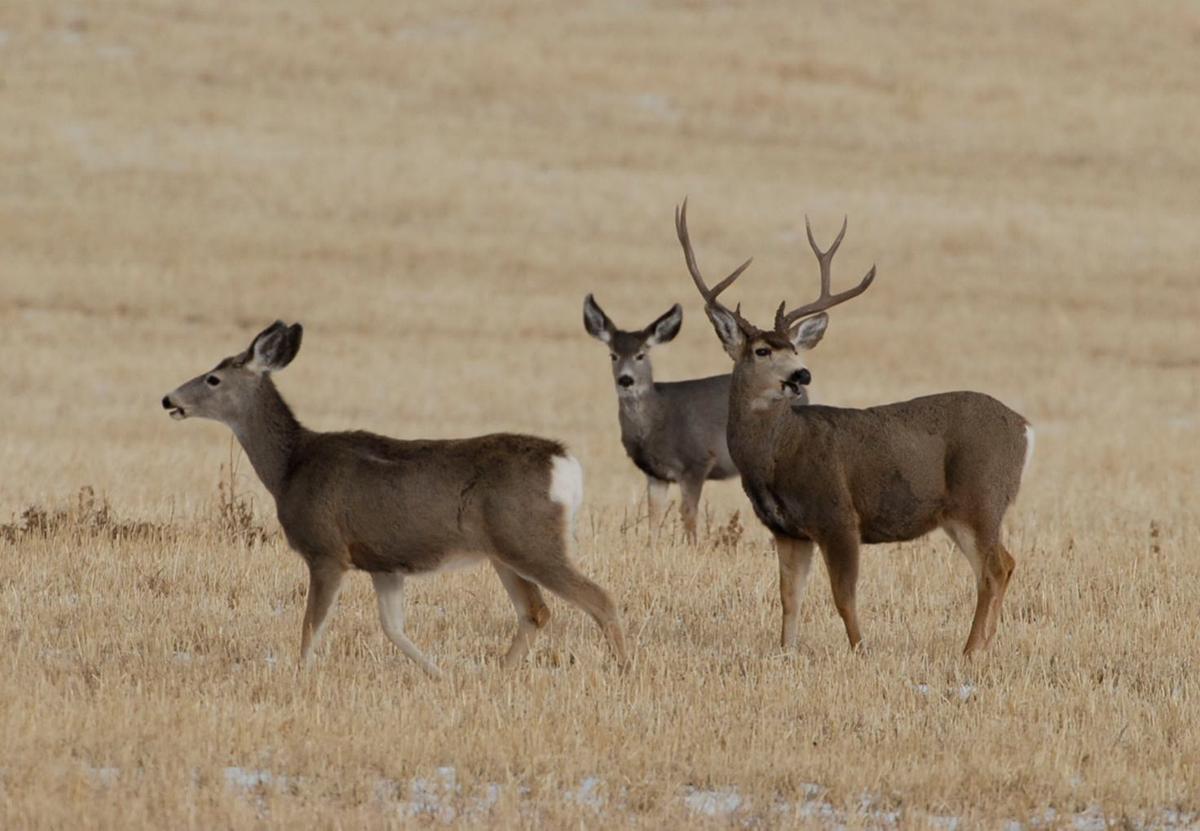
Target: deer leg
{"x": 656, "y": 500}
{"x": 324, "y": 580}
{"x": 967, "y": 540}
{"x": 795, "y": 560}
{"x": 532, "y": 612}
{"x": 689, "y": 505}
{"x": 841, "y": 560}
{"x": 561, "y": 578}
{"x": 389, "y": 592}
{"x": 1000, "y": 568}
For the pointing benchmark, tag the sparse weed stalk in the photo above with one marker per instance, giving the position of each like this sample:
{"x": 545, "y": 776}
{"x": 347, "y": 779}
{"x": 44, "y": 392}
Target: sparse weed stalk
{"x": 235, "y": 516}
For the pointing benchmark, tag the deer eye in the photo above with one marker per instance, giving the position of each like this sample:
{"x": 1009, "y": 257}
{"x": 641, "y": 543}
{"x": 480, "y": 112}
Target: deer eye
{"x": 762, "y": 352}
{"x": 641, "y": 356}
{"x": 613, "y": 355}
{"x": 212, "y": 381}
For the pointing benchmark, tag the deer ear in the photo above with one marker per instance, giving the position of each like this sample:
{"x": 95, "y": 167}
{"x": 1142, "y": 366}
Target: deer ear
{"x": 665, "y": 328}
{"x": 731, "y": 335}
{"x": 596, "y": 321}
{"x": 274, "y": 347}
{"x": 808, "y": 333}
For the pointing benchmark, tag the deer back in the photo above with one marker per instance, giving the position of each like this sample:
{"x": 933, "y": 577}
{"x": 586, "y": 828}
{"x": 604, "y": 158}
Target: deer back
{"x": 680, "y": 428}
{"x": 414, "y": 506}
{"x": 894, "y": 470}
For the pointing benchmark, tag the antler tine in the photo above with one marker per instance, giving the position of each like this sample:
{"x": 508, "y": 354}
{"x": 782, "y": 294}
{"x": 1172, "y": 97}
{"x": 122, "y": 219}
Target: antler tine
{"x": 825, "y": 257}
{"x": 825, "y": 300}
{"x": 709, "y": 295}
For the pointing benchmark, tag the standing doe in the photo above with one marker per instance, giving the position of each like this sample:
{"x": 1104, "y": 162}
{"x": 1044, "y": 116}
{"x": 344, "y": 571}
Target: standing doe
{"x": 400, "y": 508}
{"x": 841, "y": 477}
{"x": 673, "y": 432}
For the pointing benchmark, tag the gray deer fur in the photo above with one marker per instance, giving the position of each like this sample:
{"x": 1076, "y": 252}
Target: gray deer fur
{"x": 673, "y": 431}
{"x": 397, "y": 508}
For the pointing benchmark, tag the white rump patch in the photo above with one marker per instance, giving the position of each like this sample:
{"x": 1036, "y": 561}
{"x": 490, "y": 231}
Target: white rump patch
{"x": 566, "y": 483}
{"x": 1029, "y": 442}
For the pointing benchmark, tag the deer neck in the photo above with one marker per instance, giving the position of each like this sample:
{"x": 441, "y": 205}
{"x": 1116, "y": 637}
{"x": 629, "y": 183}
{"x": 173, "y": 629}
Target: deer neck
{"x": 269, "y": 433}
{"x": 639, "y": 412}
{"x": 758, "y": 425}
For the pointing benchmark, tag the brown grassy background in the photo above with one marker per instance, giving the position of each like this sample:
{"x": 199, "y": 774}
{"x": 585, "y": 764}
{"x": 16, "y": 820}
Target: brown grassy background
{"x": 431, "y": 189}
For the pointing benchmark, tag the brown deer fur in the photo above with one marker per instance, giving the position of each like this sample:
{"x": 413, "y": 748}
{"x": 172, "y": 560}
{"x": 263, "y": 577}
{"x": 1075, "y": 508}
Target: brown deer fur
{"x": 400, "y": 508}
{"x": 841, "y": 477}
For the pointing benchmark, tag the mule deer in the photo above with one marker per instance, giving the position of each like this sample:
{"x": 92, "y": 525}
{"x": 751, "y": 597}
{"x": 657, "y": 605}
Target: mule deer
{"x": 841, "y": 477}
{"x": 401, "y": 508}
{"x": 673, "y": 432}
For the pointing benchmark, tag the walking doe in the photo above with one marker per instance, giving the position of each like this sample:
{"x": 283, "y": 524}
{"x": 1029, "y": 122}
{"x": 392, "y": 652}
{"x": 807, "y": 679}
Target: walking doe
{"x": 397, "y": 508}
{"x": 841, "y": 477}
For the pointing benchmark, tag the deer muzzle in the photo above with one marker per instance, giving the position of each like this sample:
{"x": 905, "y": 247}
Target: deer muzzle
{"x": 796, "y": 381}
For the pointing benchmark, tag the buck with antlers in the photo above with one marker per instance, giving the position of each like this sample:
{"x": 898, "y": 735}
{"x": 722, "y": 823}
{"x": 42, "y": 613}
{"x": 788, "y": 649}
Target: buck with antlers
{"x": 842, "y": 477}
{"x": 673, "y": 432}
{"x": 402, "y": 508}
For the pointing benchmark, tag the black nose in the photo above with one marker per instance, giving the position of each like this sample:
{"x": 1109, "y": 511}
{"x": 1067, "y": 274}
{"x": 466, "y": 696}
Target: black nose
{"x": 625, "y": 380}
{"x": 167, "y": 405}
{"x": 800, "y": 378}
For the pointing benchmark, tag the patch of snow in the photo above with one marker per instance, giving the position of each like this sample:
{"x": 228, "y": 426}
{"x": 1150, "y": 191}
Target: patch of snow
{"x": 656, "y": 104}
{"x": 587, "y": 794}
{"x": 1045, "y": 819}
{"x": 106, "y": 776}
{"x": 713, "y": 803}
{"x": 433, "y": 797}
{"x": 247, "y": 778}
{"x": 1092, "y": 819}
{"x": 440, "y": 799}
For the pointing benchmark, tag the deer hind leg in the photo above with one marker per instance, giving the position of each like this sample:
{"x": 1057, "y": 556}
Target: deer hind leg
{"x": 992, "y": 566}
{"x": 795, "y": 561}
{"x": 841, "y": 560}
{"x": 324, "y": 581}
{"x": 389, "y": 592}
{"x": 689, "y": 505}
{"x": 559, "y": 576}
{"x": 532, "y": 613}
{"x": 1000, "y": 566}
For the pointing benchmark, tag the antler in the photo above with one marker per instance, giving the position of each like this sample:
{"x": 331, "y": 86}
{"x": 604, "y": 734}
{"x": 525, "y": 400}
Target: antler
{"x": 826, "y": 301}
{"x": 710, "y": 295}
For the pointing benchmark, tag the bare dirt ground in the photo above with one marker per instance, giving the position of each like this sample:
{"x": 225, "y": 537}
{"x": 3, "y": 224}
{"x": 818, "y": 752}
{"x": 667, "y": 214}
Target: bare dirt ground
{"x": 431, "y": 190}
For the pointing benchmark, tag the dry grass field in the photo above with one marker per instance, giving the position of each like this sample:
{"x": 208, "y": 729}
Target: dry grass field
{"x": 431, "y": 188}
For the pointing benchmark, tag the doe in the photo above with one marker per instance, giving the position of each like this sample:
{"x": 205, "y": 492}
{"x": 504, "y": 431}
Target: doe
{"x": 673, "y": 432}
{"x": 841, "y": 477}
{"x": 400, "y": 508}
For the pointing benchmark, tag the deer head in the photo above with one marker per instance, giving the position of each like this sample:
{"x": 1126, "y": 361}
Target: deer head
{"x": 630, "y": 351}
{"x": 770, "y": 363}
{"x": 226, "y": 391}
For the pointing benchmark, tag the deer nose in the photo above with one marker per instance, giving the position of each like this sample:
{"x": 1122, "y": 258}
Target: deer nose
{"x": 800, "y": 378}
{"x": 625, "y": 380}
{"x": 167, "y": 405}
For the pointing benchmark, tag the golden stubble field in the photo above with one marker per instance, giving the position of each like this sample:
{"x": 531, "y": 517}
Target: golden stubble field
{"x": 431, "y": 189}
